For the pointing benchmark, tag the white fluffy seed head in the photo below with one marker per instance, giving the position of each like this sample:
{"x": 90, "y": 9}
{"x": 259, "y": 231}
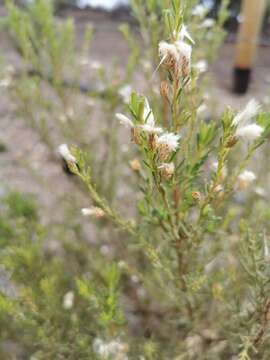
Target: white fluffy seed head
{"x": 168, "y": 50}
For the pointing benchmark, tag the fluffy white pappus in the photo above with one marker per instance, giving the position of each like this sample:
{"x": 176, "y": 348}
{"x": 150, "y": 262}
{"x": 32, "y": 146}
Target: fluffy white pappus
{"x": 148, "y": 115}
{"x": 149, "y": 120}
{"x": 185, "y": 50}
{"x": 124, "y": 120}
{"x": 65, "y": 153}
{"x": 151, "y": 129}
{"x": 68, "y": 300}
{"x": 250, "y": 111}
{"x": 249, "y": 132}
{"x": 247, "y": 176}
{"x": 184, "y": 34}
{"x": 166, "y": 50}
{"x": 170, "y": 140}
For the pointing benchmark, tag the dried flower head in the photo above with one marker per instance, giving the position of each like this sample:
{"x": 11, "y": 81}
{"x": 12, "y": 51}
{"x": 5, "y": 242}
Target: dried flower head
{"x": 167, "y": 170}
{"x": 166, "y": 144}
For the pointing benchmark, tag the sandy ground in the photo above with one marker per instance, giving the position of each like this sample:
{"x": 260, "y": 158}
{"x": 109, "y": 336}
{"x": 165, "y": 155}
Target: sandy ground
{"x": 23, "y": 145}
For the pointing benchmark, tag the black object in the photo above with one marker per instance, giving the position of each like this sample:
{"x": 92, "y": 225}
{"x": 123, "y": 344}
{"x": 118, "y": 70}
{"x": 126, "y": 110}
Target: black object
{"x": 241, "y": 80}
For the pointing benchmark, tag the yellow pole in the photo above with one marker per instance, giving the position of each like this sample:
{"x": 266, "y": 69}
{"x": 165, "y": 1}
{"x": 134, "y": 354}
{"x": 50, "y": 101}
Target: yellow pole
{"x": 248, "y": 38}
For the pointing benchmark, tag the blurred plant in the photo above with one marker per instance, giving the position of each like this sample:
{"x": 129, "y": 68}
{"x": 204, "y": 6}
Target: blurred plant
{"x": 182, "y": 208}
{"x": 52, "y": 89}
{"x": 187, "y": 265}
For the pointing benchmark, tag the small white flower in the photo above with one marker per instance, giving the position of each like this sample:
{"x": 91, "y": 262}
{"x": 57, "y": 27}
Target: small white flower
{"x": 208, "y": 23}
{"x": 101, "y": 348}
{"x": 200, "y": 10}
{"x": 249, "y": 132}
{"x": 93, "y": 211}
{"x": 125, "y": 92}
{"x": 170, "y": 140}
{"x": 68, "y": 300}
{"x": 124, "y": 120}
{"x": 245, "y": 129}
{"x": 201, "y": 66}
{"x": 247, "y": 177}
{"x": 249, "y": 112}
{"x": 65, "y": 153}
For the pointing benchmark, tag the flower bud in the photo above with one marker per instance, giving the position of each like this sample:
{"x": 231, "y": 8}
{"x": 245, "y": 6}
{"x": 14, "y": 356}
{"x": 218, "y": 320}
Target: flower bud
{"x": 196, "y": 195}
{"x": 135, "y": 164}
{"x": 167, "y": 170}
{"x": 94, "y": 211}
{"x": 231, "y": 141}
